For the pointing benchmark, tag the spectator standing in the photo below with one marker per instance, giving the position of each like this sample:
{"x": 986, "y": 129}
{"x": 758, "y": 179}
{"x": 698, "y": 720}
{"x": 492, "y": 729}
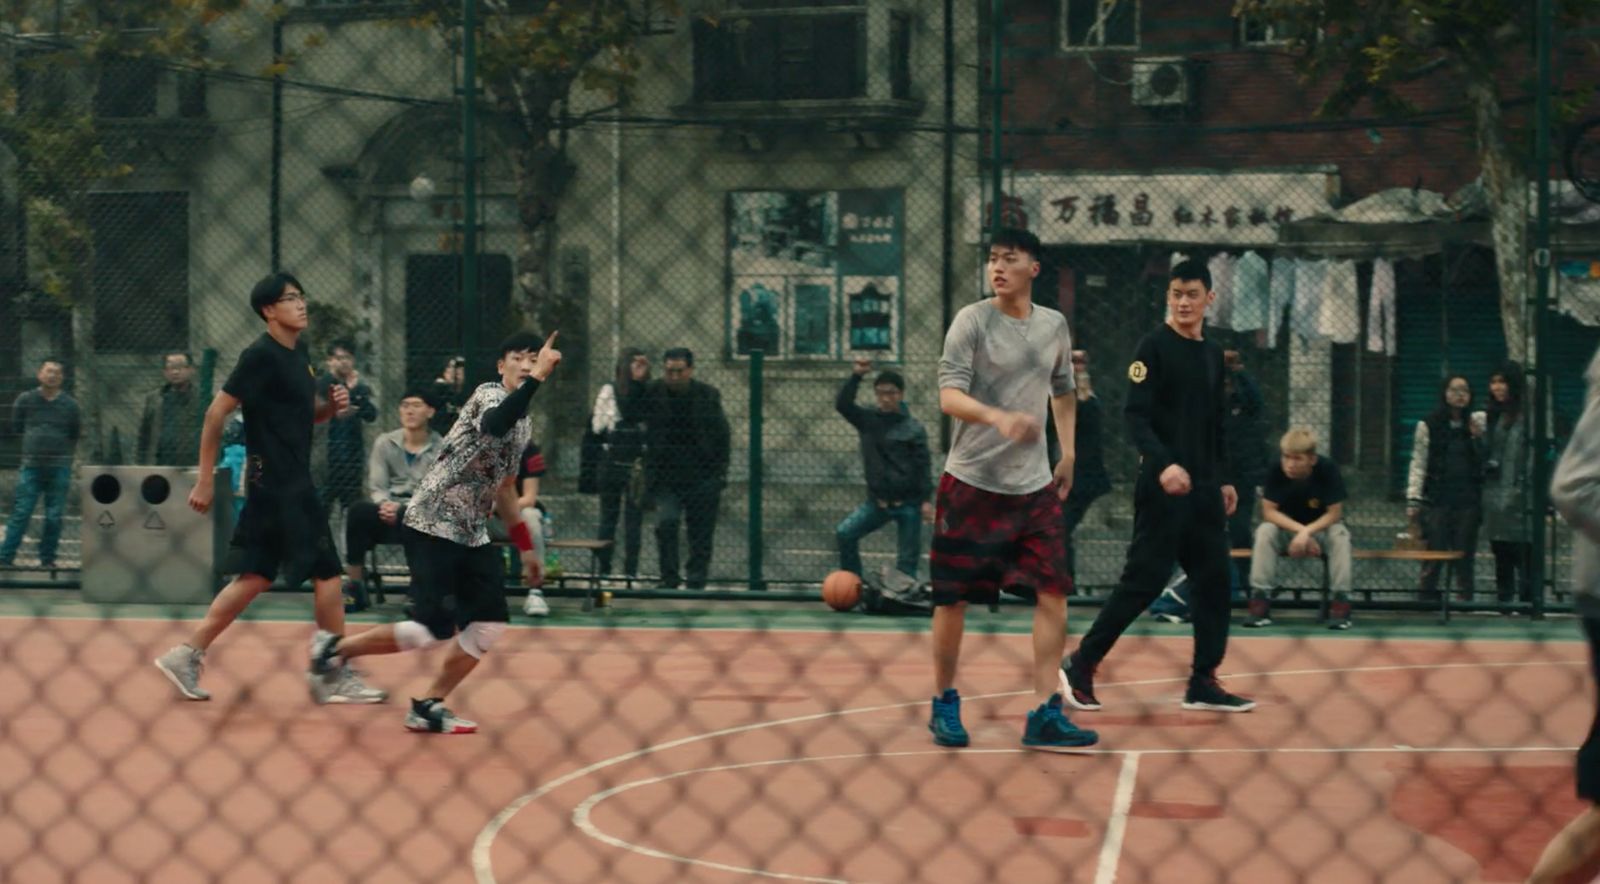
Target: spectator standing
{"x": 169, "y": 426}
{"x": 450, "y": 393}
{"x": 1090, "y": 480}
{"x": 48, "y": 421}
{"x": 347, "y": 449}
{"x": 1445, "y": 484}
{"x": 686, "y": 464}
{"x": 616, "y": 422}
{"x": 1505, "y": 483}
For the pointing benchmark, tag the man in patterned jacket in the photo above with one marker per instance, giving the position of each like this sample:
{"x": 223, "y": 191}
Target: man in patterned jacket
{"x": 447, "y": 538}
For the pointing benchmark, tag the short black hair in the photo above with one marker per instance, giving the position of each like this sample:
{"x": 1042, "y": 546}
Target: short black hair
{"x": 1017, "y": 238}
{"x": 423, "y": 393}
{"x": 270, "y": 289}
{"x": 187, "y": 359}
{"x": 1190, "y": 270}
{"x": 55, "y": 359}
{"x": 516, "y": 342}
{"x": 683, "y": 353}
{"x": 888, "y": 376}
{"x": 344, "y": 344}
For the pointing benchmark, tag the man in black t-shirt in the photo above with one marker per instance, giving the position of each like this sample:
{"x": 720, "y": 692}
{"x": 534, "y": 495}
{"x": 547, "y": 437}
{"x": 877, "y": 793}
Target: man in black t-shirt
{"x": 1181, "y": 500}
{"x": 283, "y": 526}
{"x": 1302, "y": 513}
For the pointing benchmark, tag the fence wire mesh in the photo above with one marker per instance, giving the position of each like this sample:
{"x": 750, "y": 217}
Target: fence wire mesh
{"x": 752, "y": 223}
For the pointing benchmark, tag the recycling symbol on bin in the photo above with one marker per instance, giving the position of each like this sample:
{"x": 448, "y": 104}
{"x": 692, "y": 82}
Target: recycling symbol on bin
{"x": 153, "y": 522}
{"x": 106, "y": 520}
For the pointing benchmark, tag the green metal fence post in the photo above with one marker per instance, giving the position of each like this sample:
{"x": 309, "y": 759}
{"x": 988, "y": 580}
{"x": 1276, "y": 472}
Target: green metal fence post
{"x": 757, "y": 369}
{"x": 1540, "y": 466}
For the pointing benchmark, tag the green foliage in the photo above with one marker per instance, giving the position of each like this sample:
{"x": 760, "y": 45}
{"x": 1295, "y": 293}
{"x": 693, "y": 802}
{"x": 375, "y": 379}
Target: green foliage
{"x": 1375, "y": 47}
{"x": 328, "y": 322}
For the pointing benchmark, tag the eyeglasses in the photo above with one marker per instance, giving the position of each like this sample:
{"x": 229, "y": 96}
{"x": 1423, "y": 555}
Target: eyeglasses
{"x": 291, "y": 296}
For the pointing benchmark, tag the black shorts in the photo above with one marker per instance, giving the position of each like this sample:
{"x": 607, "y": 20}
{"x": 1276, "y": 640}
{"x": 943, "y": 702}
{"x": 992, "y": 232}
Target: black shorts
{"x": 1589, "y": 752}
{"x": 453, "y": 584}
{"x": 283, "y": 532}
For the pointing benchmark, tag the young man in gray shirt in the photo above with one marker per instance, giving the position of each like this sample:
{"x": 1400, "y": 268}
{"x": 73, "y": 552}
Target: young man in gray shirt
{"x": 47, "y": 420}
{"x": 1007, "y": 364}
{"x": 1575, "y": 493}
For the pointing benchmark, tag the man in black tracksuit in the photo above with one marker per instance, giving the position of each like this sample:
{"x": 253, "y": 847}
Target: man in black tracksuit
{"x": 1183, "y": 496}
{"x": 685, "y": 464}
{"x": 894, "y": 451}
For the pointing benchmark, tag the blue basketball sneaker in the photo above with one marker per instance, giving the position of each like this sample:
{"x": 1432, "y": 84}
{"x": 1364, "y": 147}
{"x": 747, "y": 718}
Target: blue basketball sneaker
{"x": 945, "y": 722}
{"x": 1048, "y": 728}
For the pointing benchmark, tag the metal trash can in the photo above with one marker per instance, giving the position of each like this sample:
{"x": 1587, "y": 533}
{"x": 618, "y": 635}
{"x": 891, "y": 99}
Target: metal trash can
{"x": 141, "y": 542}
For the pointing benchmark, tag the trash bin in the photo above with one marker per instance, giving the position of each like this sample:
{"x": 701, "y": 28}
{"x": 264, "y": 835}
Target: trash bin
{"x": 142, "y": 543}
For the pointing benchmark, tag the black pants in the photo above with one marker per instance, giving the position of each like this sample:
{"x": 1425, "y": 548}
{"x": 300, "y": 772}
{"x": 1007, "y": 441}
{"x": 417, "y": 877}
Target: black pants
{"x": 617, "y": 500}
{"x": 363, "y": 530}
{"x": 1072, "y": 513}
{"x": 1588, "y": 760}
{"x": 1188, "y": 530}
{"x": 1511, "y": 570}
{"x": 1450, "y": 527}
{"x": 694, "y": 505}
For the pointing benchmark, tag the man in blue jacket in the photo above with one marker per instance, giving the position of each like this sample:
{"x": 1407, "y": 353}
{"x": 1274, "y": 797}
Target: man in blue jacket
{"x": 894, "y": 450}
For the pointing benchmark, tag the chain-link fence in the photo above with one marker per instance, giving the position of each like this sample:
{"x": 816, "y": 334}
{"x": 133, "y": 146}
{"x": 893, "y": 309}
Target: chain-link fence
{"x": 752, "y": 223}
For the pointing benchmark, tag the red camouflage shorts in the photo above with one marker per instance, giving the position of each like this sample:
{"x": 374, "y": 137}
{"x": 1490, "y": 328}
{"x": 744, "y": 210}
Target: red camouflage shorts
{"x": 985, "y": 542}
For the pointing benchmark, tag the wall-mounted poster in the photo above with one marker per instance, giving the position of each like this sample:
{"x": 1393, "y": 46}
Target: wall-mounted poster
{"x": 815, "y": 275}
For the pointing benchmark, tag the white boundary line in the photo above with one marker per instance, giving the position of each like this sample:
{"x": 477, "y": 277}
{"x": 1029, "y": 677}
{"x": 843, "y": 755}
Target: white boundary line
{"x": 1117, "y": 824}
{"x": 482, "y": 846}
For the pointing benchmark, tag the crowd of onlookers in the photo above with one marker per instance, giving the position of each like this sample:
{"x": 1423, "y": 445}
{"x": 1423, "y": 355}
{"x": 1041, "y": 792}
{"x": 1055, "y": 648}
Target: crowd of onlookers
{"x": 663, "y": 445}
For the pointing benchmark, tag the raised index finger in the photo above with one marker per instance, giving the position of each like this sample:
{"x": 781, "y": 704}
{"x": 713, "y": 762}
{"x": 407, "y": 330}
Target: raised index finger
{"x": 550, "y": 341}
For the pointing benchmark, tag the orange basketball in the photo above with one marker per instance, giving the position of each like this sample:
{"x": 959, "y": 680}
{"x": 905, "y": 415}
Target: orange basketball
{"x": 841, "y": 590}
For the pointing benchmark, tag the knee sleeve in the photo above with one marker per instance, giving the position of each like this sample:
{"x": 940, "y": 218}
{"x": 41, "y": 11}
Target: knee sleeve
{"x": 479, "y": 637}
{"x": 411, "y": 635}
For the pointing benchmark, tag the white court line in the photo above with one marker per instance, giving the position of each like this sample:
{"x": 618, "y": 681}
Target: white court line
{"x": 482, "y": 846}
{"x": 1117, "y": 825}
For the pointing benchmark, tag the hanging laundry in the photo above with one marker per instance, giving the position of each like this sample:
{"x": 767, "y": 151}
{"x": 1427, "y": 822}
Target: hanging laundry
{"x": 1252, "y": 292}
{"x": 1309, "y": 275}
{"x": 1339, "y": 313}
{"x": 1380, "y": 309}
{"x": 1221, "y": 267}
{"x": 1281, "y": 285}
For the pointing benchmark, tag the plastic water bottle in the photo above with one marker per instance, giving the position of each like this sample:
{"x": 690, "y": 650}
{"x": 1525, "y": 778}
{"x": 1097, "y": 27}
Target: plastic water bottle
{"x": 552, "y": 558}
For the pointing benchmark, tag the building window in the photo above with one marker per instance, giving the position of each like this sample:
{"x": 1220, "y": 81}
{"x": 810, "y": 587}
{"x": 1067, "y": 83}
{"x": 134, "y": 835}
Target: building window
{"x": 140, "y": 271}
{"x": 1100, "y": 24}
{"x": 126, "y": 88}
{"x": 798, "y": 50}
{"x": 1254, "y": 31}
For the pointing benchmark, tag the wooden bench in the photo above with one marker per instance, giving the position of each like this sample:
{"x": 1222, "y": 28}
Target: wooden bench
{"x": 1391, "y": 555}
{"x": 375, "y": 574}
{"x": 595, "y": 547}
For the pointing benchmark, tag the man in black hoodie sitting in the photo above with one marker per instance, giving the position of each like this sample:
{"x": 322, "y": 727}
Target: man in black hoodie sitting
{"x": 894, "y": 450}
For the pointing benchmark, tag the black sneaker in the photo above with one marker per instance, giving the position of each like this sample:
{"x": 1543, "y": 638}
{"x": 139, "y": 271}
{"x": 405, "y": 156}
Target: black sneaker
{"x": 1339, "y": 615}
{"x": 1077, "y": 684}
{"x": 1259, "y": 614}
{"x": 1207, "y": 695}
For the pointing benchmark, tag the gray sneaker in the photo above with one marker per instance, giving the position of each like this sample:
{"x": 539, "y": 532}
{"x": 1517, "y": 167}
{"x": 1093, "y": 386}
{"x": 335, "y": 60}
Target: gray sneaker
{"x": 182, "y": 666}
{"x": 349, "y": 688}
{"x": 325, "y": 675}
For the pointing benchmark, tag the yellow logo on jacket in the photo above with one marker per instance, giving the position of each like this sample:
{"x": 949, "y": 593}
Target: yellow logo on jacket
{"x": 1137, "y": 372}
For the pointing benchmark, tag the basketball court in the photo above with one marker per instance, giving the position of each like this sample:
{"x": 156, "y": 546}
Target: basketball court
{"x": 672, "y": 754}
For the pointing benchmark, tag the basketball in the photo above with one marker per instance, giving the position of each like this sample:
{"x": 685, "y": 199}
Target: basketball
{"x": 841, "y": 590}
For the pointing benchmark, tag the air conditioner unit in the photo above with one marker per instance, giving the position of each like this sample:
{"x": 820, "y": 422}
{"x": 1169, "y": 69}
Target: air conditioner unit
{"x": 1162, "y": 82}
